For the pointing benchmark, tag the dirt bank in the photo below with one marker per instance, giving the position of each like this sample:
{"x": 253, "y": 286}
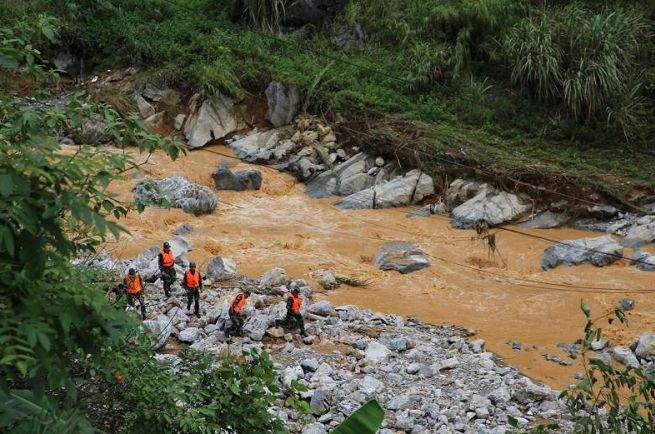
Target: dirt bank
{"x": 280, "y": 226}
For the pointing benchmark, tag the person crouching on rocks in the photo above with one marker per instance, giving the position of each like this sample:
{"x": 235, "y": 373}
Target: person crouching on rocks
{"x": 134, "y": 288}
{"x": 167, "y": 268}
{"x": 236, "y": 314}
{"x": 192, "y": 282}
{"x": 294, "y": 317}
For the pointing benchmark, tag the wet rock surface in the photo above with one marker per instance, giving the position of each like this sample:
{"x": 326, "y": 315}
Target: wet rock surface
{"x": 213, "y": 119}
{"x": 401, "y": 256}
{"x": 599, "y": 251}
{"x": 179, "y": 191}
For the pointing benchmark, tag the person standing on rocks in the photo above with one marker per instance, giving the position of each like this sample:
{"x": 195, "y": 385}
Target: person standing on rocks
{"x": 192, "y": 282}
{"x": 134, "y": 287}
{"x": 294, "y": 303}
{"x": 235, "y": 312}
{"x": 167, "y": 268}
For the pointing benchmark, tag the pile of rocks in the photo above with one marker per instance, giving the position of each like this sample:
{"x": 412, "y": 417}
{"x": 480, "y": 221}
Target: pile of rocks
{"x": 428, "y": 378}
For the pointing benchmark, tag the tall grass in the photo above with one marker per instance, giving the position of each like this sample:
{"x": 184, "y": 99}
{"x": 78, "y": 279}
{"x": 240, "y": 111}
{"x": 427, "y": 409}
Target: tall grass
{"x": 264, "y": 14}
{"x": 581, "y": 59}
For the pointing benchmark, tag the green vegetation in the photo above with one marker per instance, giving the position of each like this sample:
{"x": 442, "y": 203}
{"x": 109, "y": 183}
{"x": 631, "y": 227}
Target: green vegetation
{"x": 609, "y": 399}
{"x": 555, "y": 92}
{"x": 70, "y": 360}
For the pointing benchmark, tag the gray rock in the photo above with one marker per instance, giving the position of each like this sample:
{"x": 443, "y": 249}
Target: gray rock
{"x": 257, "y": 146}
{"x": 401, "y": 256}
{"x": 225, "y": 179}
{"x": 282, "y": 103}
{"x": 398, "y": 344}
{"x": 370, "y": 385}
{"x": 179, "y": 191}
{"x": 644, "y": 261}
{"x": 214, "y": 120}
{"x": 413, "y": 368}
{"x": 318, "y": 403}
{"x": 257, "y": 325}
{"x": 599, "y": 251}
{"x": 598, "y": 345}
{"x": 145, "y": 108}
{"x": 602, "y": 211}
{"x": 603, "y": 357}
{"x": 322, "y": 308}
{"x": 376, "y": 353}
{"x": 190, "y": 335}
{"x": 274, "y": 277}
{"x": 490, "y": 206}
{"x": 500, "y": 395}
{"x": 460, "y": 190}
{"x": 449, "y": 363}
{"x": 401, "y": 402}
{"x": 477, "y": 346}
{"x": 309, "y": 365}
{"x": 626, "y": 304}
{"x": 641, "y": 233}
{"x": 529, "y": 392}
{"x": 544, "y": 220}
{"x": 161, "y": 327}
{"x": 428, "y": 210}
{"x": 291, "y": 374}
{"x": 67, "y": 62}
{"x": 326, "y": 278}
{"x": 179, "y": 121}
{"x": 646, "y": 346}
{"x": 346, "y": 178}
{"x": 625, "y": 356}
{"x": 219, "y": 269}
{"x": 400, "y": 191}
{"x": 314, "y": 428}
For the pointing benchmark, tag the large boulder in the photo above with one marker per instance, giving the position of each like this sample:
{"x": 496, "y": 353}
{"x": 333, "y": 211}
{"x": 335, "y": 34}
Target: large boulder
{"x": 599, "y": 251}
{"x": 274, "y": 277}
{"x": 225, "y": 179}
{"x": 219, "y": 268}
{"x": 189, "y": 335}
{"x": 179, "y": 191}
{"x": 544, "y": 220}
{"x": 346, "y": 178}
{"x": 401, "y": 256}
{"x": 161, "y": 328}
{"x": 282, "y": 103}
{"x": 641, "y": 233}
{"x": 400, "y": 191}
{"x": 215, "y": 119}
{"x": 490, "y": 206}
{"x": 404, "y": 190}
{"x": 461, "y": 190}
{"x": 625, "y": 356}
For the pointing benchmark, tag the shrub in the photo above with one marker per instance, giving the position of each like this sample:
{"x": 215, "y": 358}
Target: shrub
{"x": 609, "y": 399}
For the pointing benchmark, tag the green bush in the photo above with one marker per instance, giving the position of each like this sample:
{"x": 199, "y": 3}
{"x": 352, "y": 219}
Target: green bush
{"x": 610, "y": 399}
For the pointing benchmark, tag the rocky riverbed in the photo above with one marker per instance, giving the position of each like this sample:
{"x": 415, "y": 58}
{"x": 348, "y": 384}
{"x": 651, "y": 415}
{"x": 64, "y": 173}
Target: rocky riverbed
{"x": 428, "y": 378}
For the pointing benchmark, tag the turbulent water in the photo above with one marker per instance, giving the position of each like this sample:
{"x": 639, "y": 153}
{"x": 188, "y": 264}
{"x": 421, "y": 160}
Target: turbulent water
{"x": 502, "y": 300}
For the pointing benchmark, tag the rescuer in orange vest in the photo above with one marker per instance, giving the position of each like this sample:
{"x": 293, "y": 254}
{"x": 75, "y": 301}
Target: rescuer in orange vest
{"x": 134, "y": 288}
{"x": 192, "y": 282}
{"x": 236, "y": 315}
{"x": 167, "y": 268}
{"x": 294, "y": 303}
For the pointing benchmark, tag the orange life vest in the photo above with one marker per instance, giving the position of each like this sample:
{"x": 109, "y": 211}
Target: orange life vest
{"x": 295, "y": 303}
{"x": 133, "y": 283}
{"x": 167, "y": 258}
{"x": 238, "y": 303}
{"x": 192, "y": 279}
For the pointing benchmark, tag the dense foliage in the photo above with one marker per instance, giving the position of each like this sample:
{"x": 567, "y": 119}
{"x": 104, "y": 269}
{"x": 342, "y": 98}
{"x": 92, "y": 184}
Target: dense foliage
{"x": 493, "y": 83}
{"x": 65, "y": 349}
{"x": 610, "y": 399}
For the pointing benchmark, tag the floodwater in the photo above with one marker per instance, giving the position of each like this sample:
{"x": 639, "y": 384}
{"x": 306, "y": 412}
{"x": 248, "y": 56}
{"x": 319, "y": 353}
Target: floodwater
{"x": 501, "y": 300}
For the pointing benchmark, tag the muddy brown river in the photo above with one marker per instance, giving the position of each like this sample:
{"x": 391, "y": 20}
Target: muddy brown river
{"x": 280, "y": 226}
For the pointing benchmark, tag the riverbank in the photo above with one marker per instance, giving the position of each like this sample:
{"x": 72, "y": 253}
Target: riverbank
{"x": 280, "y": 226}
